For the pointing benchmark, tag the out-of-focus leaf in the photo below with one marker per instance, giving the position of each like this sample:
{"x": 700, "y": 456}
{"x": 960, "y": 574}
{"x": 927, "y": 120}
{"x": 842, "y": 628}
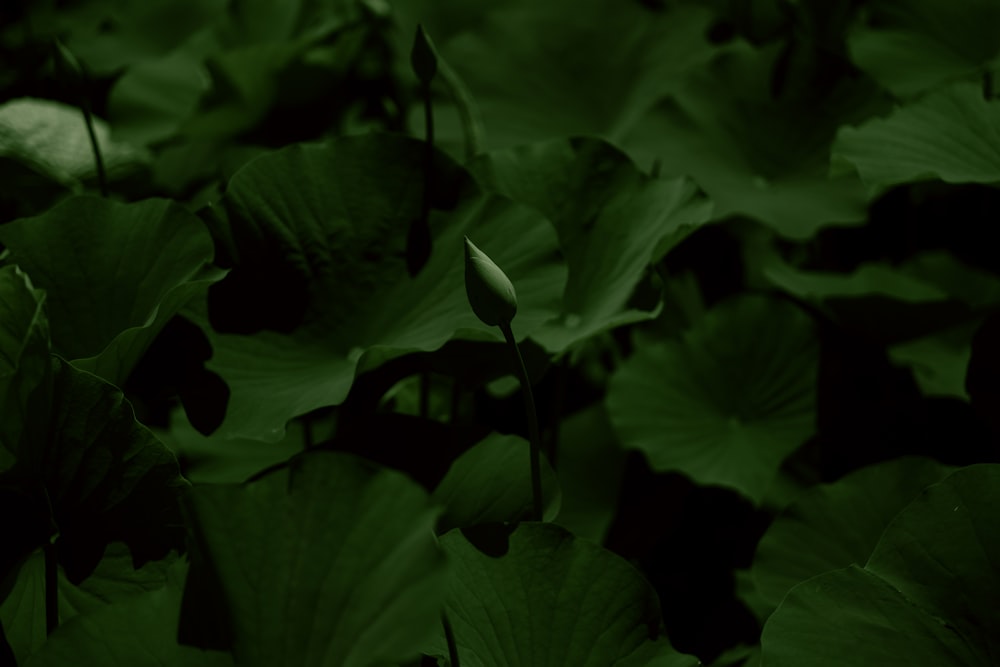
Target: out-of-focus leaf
{"x": 562, "y": 67}
{"x": 727, "y": 402}
{"x": 151, "y": 99}
{"x": 119, "y": 34}
{"x": 911, "y": 46}
{"x": 755, "y": 155}
{"x": 591, "y": 465}
{"x": 328, "y": 561}
{"x": 927, "y": 294}
{"x": 51, "y": 138}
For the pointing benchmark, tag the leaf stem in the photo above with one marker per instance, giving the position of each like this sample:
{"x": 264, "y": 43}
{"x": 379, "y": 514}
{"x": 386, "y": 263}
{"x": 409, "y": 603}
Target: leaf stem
{"x": 88, "y": 119}
{"x": 529, "y": 408}
{"x": 449, "y": 636}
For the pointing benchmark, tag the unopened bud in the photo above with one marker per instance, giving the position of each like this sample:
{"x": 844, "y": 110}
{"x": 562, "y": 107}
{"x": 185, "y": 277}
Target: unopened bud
{"x": 490, "y": 292}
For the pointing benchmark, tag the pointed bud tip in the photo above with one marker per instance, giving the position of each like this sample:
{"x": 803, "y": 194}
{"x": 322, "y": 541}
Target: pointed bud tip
{"x": 491, "y": 293}
{"x": 423, "y": 58}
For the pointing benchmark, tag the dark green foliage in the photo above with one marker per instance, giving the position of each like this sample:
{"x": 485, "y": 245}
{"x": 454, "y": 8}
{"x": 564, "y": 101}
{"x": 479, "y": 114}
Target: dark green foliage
{"x": 248, "y": 417}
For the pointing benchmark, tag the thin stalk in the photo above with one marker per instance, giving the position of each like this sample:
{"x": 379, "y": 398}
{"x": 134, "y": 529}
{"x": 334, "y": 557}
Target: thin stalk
{"x": 88, "y": 119}
{"x": 529, "y": 408}
{"x": 449, "y": 636}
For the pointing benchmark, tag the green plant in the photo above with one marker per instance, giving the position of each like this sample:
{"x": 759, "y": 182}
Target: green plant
{"x": 248, "y": 416}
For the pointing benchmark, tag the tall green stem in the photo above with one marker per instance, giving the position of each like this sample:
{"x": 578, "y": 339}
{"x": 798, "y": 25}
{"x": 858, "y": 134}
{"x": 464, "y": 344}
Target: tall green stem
{"x": 529, "y": 407}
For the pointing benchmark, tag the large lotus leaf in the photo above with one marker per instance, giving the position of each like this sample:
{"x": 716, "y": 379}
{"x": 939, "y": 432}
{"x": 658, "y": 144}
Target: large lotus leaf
{"x": 839, "y": 524}
{"x": 755, "y": 155}
{"x": 544, "y": 597}
{"x": 727, "y": 402}
{"x": 329, "y": 561}
{"x": 95, "y": 476}
{"x": 140, "y": 631}
{"x": 612, "y": 220}
{"x": 491, "y": 482}
{"x": 927, "y": 596}
{"x": 565, "y": 67}
{"x": 911, "y": 46}
{"x": 24, "y": 361}
{"x": 336, "y": 218}
{"x": 114, "y": 274}
{"x": 114, "y": 580}
{"x": 952, "y": 134}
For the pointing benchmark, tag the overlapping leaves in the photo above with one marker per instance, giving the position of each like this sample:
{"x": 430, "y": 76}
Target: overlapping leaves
{"x": 612, "y": 221}
{"x": 926, "y": 596}
{"x": 114, "y": 274}
{"x": 327, "y": 225}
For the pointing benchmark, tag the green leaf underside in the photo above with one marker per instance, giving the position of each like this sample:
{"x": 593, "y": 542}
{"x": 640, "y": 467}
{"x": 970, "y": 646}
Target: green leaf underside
{"x": 756, "y": 156}
{"x": 726, "y": 403}
{"x": 910, "y": 46}
{"x": 538, "y": 70}
{"x": 927, "y": 595}
{"x": 328, "y": 561}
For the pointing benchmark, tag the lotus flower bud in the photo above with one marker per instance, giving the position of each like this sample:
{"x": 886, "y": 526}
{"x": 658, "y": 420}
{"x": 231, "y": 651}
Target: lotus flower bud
{"x": 490, "y": 292}
{"x": 423, "y": 59}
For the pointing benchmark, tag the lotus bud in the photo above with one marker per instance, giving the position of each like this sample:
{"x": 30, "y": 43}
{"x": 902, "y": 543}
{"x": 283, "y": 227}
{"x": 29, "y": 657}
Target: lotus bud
{"x": 490, "y": 292}
{"x": 423, "y": 59}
